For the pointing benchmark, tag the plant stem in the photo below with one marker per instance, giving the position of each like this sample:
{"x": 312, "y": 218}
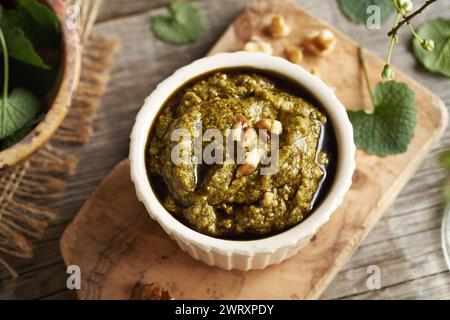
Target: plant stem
{"x": 411, "y": 16}
{"x": 414, "y": 32}
{"x": 365, "y": 73}
{"x": 392, "y": 42}
{"x": 5, "y": 66}
{"x": 396, "y": 6}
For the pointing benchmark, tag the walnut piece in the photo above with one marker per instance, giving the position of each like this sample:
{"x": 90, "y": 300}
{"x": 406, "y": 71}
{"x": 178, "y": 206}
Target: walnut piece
{"x": 252, "y": 160}
{"x": 294, "y": 54}
{"x": 274, "y": 126}
{"x": 240, "y": 126}
{"x": 278, "y": 27}
{"x": 258, "y": 45}
{"x": 152, "y": 291}
{"x": 244, "y": 169}
{"x": 320, "y": 42}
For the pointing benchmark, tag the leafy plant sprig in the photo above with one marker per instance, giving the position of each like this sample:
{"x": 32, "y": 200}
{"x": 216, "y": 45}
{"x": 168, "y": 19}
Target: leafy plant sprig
{"x": 403, "y": 7}
{"x": 389, "y": 127}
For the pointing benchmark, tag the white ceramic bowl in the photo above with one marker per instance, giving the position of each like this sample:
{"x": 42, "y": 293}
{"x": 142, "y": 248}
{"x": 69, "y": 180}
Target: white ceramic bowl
{"x": 255, "y": 254}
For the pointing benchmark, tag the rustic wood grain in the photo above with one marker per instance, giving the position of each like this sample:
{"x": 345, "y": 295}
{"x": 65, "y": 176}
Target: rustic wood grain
{"x": 376, "y": 183}
{"x": 114, "y": 9}
{"x": 144, "y": 61}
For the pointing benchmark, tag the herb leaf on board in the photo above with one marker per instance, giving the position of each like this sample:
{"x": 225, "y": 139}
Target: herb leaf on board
{"x": 190, "y": 17}
{"x": 167, "y": 29}
{"x": 390, "y": 127}
{"x": 438, "y": 60}
{"x": 184, "y": 25}
{"x": 356, "y": 10}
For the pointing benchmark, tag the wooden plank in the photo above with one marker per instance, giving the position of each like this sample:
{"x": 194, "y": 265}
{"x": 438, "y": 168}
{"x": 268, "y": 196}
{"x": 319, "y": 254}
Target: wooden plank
{"x": 114, "y": 9}
{"x": 431, "y": 287}
{"x": 36, "y": 284}
{"x": 403, "y": 260}
{"x": 138, "y": 57}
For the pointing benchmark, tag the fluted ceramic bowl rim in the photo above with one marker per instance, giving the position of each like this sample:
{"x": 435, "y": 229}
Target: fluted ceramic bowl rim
{"x": 321, "y": 214}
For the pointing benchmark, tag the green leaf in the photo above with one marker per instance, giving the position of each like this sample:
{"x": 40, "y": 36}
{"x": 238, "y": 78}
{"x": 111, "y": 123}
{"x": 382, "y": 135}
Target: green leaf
{"x": 390, "y": 127}
{"x": 356, "y": 10}
{"x": 11, "y": 17}
{"x": 20, "y": 47}
{"x": 22, "y": 133}
{"x": 438, "y": 60}
{"x": 41, "y": 24}
{"x": 169, "y": 30}
{"x": 20, "y": 108}
{"x": 190, "y": 17}
{"x": 42, "y": 15}
{"x": 16, "y": 137}
{"x": 184, "y": 25}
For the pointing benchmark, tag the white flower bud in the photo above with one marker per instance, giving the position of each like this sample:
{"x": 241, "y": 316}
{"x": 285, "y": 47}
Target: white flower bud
{"x": 404, "y": 6}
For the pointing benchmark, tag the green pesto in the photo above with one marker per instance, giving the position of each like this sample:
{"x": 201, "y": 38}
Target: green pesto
{"x": 209, "y": 198}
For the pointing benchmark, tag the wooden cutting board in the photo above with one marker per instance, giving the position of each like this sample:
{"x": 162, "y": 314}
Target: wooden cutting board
{"x": 116, "y": 244}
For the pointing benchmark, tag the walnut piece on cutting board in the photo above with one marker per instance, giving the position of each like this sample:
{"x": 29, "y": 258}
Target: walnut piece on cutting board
{"x": 256, "y": 44}
{"x": 320, "y": 42}
{"x": 152, "y": 291}
{"x": 278, "y": 27}
{"x": 294, "y": 54}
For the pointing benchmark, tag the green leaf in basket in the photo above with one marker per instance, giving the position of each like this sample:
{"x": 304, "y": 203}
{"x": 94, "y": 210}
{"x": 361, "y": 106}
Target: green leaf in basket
{"x": 184, "y": 25}
{"x": 19, "y": 45}
{"x": 39, "y": 23}
{"x": 19, "y": 109}
{"x": 21, "y": 48}
{"x": 22, "y": 133}
{"x": 437, "y": 60}
{"x": 356, "y": 10}
{"x": 42, "y": 16}
{"x": 390, "y": 127}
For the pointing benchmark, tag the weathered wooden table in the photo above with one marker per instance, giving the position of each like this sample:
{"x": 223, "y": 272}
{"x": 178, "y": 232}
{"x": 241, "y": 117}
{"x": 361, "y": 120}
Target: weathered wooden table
{"x": 405, "y": 244}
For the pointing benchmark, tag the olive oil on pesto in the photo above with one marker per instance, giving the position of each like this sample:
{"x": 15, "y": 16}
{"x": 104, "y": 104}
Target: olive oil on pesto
{"x": 234, "y": 208}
